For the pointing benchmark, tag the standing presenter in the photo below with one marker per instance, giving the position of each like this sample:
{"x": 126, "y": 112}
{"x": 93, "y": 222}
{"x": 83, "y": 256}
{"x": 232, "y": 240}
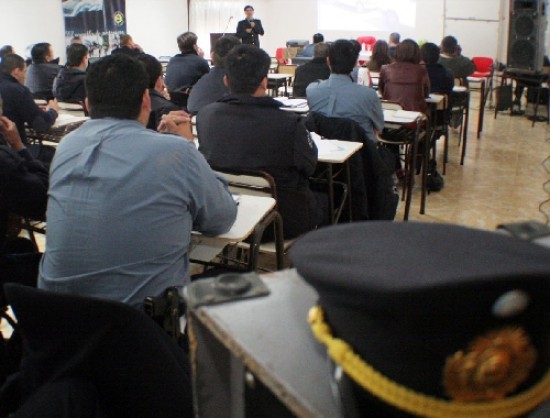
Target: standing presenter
{"x": 250, "y": 29}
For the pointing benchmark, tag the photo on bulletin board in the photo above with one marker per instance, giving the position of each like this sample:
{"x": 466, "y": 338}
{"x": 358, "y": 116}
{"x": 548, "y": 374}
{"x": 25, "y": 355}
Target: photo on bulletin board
{"x": 98, "y": 23}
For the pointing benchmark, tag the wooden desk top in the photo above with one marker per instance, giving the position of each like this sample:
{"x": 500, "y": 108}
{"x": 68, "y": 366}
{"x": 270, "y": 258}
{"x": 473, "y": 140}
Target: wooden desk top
{"x": 334, "y": 151}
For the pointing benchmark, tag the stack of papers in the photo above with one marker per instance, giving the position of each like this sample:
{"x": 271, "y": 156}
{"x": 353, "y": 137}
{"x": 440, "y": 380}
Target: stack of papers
{"x": 286, "y": 102}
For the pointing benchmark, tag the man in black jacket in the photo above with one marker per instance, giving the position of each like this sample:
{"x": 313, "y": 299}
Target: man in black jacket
{"x": 247, "y": 130}
{"x": 68, "y": 86}
{"x": 316, "y": 69}
{"x": 24, "y": 192}
{"x": 42, "y": 71}
{"x": 250, "y": 29}
{"x": 19, "y": 105}
{"x": 160, "y": 105}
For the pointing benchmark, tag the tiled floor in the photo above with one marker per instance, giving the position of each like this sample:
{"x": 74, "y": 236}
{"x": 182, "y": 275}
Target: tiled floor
{"x": 502, "y": 177}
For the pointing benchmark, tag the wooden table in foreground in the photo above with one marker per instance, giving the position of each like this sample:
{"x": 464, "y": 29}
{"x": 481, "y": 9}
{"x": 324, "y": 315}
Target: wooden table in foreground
{"x": 258, "y": 357}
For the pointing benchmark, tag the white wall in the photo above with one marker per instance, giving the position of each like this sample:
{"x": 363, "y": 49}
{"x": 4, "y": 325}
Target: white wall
{"x": 26, "y": 22}
{"x": 154, "y": 24}
{"x": 297, "y": 19}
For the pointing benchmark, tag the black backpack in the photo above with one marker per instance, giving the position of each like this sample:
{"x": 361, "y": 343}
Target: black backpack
{"x": 434, "y": 181}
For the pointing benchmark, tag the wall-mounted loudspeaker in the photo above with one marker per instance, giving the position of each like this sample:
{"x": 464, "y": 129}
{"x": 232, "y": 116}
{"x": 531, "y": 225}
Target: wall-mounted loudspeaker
{"x": 526, "y": 35}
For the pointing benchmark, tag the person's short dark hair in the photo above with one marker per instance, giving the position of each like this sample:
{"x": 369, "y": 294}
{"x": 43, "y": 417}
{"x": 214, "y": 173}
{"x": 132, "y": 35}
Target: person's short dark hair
{"x": 343, "y": 56}
{"x": 76, "y": 40}
{"x": 40, "y": 51}
{"x": 125, "y": 39}
{"x": 246, "y": 66}
{"x": 187, "y": 42}
{"x": 408, "y": 51}
{"x": 320, "y": 50}
{"x": 115, "y": 86}
{"x": 5, "y": 50}
{"x": 318, "y": 37}
{"x": 75, "y": 54}
{"x": 248, "y": 6}
{"x": 449, "y": 45}
{"x": 221, "y": 49}
{"x": 10, "y": 62}
{"x": 153, "y": 68}
{"x": 395, "y": 37}
{"x": 430, "y": 53}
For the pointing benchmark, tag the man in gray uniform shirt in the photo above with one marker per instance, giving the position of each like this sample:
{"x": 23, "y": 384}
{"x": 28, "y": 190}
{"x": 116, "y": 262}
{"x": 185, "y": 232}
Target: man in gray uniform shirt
{"x": 123, "y": 200}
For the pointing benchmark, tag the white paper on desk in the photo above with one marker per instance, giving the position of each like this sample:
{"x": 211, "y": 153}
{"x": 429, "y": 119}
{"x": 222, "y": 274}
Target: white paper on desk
{"x": 65, "y": 119}
{"x": 405, "y": 114}
{"x": 286, "y": 102}
{"x": 324, "y": 146}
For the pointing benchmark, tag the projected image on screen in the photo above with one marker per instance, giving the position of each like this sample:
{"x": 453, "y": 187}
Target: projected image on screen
{"x": 366, "y": 15}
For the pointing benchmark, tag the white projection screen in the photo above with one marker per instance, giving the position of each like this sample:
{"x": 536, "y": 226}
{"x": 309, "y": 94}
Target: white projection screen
{"x": 366, "y": 15}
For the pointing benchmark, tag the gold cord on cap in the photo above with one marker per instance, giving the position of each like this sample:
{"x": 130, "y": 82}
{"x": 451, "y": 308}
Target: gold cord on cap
{"x": 411, "y": 401}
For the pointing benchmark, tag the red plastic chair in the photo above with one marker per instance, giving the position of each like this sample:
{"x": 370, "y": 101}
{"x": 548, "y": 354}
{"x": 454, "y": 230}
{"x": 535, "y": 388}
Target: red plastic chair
{"x": 484, "y": 67}
{"x": 483, "y": 75}
{"x": 369, "y": 41}
{"x": 280, "y": 56}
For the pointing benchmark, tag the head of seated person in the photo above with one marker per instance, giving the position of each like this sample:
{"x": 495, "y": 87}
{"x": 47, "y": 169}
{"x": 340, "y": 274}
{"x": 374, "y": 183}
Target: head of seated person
{"x": 14, "y": 66}
{"x": 380, "y": 55}
{"x": 154, "y": 72}
{"x": 246, "y": 70}
{"x": 42, "y": 53}
{"x": 342, "y": 56}
{"x": 187, "y": 43}
{"x": 77, "y": 56}
{"x": 117, "y": 88}
{"x": 430, "y": 53}
{"x": 222, "y": 48}
{"x": 408, "y": 51}
{"x": 318, "y": 37}
{"x": 320, "y": 51}
{"x": 394, "y": 38}
{"x": 449, "y": 46}
{"x": 5, "y": 50}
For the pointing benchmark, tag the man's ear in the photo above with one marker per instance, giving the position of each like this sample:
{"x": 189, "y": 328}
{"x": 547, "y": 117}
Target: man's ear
{"x": 146, "y": 101}
{"x": 226, "y": 81}
{"x": 264, "y": 83}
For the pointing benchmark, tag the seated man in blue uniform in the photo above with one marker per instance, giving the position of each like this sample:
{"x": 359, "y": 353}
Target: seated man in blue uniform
{"x": 123, "y": 199}
{"x": 340, "y": 97}
{"x": 247, "y": 130}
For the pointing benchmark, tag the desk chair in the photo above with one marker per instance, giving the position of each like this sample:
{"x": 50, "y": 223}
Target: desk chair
{"x": 407, "y": 139}
{"x": 102, "y": 356}
{"x": 484, "y": 76}
{"x": 460, "y": 105}
{"x": 259, "y": 183}
{"x": 289, "y": 69}
{"x": 280, "y": 56}
{"x": 372, "y": 194}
